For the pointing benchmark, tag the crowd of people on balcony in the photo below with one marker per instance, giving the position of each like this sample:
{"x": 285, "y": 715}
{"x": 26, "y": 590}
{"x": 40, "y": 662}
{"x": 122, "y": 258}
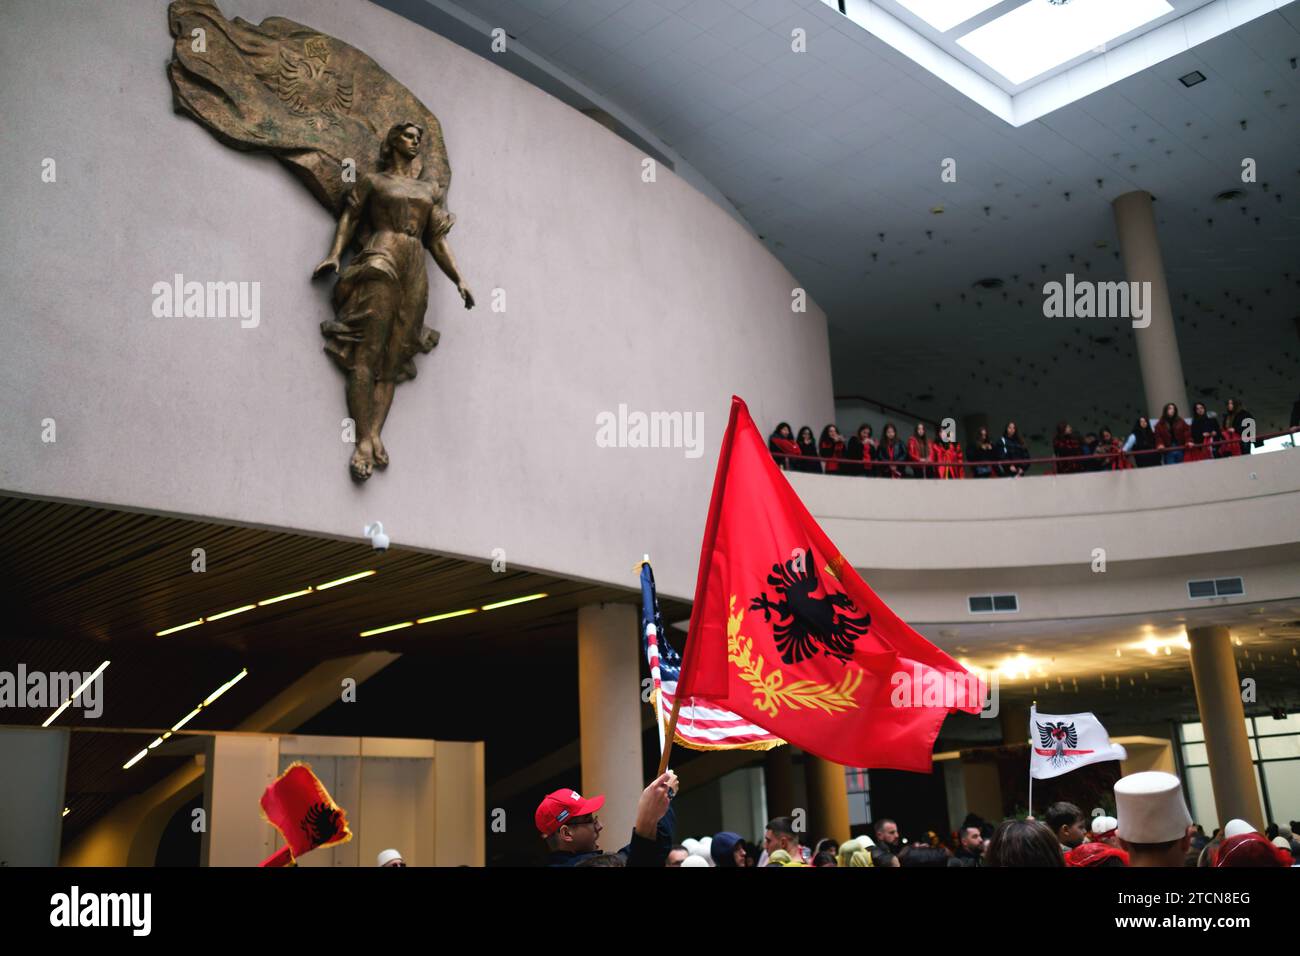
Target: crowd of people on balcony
{"x": 1170, "y": 440}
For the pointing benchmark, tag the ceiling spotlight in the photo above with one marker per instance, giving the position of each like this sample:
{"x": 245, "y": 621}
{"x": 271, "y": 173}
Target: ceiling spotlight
{"x": 375, "y": 532}
{"x": 1192, "y": 78}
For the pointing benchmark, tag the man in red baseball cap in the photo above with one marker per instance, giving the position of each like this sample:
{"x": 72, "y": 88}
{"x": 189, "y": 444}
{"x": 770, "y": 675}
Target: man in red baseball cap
{"x": 568, "y": 823}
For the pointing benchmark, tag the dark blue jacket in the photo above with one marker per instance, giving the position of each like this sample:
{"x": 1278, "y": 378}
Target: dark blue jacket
{"x": 640, "y": 852}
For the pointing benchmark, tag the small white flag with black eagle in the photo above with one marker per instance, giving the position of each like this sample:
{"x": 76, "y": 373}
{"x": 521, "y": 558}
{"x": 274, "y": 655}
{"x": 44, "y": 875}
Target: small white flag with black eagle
{"x": 1060, "y": 743}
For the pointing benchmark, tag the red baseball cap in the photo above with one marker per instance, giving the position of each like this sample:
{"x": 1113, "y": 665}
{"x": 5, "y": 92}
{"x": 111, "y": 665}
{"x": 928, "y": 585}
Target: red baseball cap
{"x": 562, "y": 805}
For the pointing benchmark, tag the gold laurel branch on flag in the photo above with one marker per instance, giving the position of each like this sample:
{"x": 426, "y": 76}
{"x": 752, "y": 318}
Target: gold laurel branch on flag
{"x": 770, "y": 690}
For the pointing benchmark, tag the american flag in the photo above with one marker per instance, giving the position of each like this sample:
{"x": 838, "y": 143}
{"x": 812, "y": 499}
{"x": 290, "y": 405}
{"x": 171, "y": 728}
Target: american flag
{"x": 699, "y": 726}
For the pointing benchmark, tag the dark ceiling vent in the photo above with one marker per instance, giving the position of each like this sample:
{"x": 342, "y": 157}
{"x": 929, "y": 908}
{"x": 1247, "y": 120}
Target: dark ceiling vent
{"x": 1216, "y": 587}
{"x": 993, "y": 604}
{"x": 1192, "y": 78}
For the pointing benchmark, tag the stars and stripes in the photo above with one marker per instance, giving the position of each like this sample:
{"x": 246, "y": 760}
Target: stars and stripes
{"x": 702, "y": 726}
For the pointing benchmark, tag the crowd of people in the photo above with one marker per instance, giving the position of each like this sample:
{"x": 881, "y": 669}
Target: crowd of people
{"x": 1170, "y": 440}
{"x": 1151, "y": 827}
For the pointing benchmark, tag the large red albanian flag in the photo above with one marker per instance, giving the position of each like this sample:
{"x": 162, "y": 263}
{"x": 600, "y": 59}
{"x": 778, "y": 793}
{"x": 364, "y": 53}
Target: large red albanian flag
{"x": 786, "y": 634}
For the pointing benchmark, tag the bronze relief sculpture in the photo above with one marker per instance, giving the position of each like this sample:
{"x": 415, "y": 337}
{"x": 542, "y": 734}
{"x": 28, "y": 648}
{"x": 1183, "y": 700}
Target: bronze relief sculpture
{"x": 368, "y": 150}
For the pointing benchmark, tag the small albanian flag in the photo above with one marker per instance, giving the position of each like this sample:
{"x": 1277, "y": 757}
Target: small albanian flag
{"x": 298, "y": 805}
{"x": 785, "y": 634}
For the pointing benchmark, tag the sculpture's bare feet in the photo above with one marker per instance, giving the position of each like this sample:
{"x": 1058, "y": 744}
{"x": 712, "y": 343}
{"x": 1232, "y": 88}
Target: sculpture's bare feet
{"x": 380, "y": 454}
{"x": 362, "y": 465}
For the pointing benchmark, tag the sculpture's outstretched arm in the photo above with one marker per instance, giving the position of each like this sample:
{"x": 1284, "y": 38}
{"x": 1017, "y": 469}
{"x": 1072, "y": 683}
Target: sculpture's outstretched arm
{"x": 441, "y": 252}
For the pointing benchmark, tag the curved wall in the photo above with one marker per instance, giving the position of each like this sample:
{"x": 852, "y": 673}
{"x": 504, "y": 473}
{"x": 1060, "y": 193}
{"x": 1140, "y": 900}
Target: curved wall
{"x": 926, "y": 545}
{"x": 617, "y": 292}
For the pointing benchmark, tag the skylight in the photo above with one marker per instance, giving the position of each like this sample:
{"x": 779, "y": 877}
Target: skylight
{"x": 1042, "y": 35}
{"x": 943, "y": 15}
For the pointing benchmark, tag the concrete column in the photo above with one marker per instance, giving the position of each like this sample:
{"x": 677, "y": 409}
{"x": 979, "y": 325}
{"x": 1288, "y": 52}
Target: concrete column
{"x": 828, "y": 800}
{"x": 609, "y": 708}
{"x": 1218, "y": 698}
{"x": 35, "y": 762}
{"x": 1157, "y": 344}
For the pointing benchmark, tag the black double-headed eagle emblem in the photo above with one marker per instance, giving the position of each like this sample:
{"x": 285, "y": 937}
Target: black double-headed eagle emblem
{"x": 1058, "y": 739}
{"x": 808, "y": 624}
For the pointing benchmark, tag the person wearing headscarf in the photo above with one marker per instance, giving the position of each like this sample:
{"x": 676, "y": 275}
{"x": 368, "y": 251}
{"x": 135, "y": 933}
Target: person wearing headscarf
{"x": 860, "y": 451}
{"x": 1096, "y": 854}
{"x": 831, "y": 447}
{"x": 782, "y": 445}
{"x": 1243, "y": 845}
{"x": 891, "y": 453}
{"x": 859, "y": 844}
{"x": 808, "y": 457}
{"x": 1141, "y": 442}
{"x": 1205, "y": 432}
{"x": 782, "y": 858}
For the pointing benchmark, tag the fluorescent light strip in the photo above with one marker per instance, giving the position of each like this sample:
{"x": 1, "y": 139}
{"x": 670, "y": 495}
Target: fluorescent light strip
{"x": 385, "y": 630}
{"x": 211, "y": 699}
{"x": 518, "y": 600}
{"x": 284, "y": 597}
{"x": 943, "y": 15}
{"x": 231, "y": 612}
{"x": 1040, "y": 36}
{"x": 84, "y": 684}
{"x": 450, "y": 614}
{"x": 350, "y": 577}
{"x": 136, "y": 759}
{"x": 187, "y": 718}
{"x": 443, "y": 617}
{"x": 248, "y": 607}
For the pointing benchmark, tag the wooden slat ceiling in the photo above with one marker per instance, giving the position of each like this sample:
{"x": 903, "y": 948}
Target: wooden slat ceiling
{"x": 90, "y": 584}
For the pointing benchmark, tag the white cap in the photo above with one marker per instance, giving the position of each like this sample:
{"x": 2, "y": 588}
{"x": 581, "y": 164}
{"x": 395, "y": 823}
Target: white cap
{"x": 1236, "y": 828}
{"x": 1103, "y": 824}
{"x": 1151, "y": 808}
{"x": 694, "y": 860}
{"x": 1281, "y": 841}
{"x": 388, "y": 856}
{"x": 692, "y": 845}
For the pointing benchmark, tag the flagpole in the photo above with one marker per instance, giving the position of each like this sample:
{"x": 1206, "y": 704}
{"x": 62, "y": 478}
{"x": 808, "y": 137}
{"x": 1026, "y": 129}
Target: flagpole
{"x": 1033, "y": 709}
{"x": 666, "y": 747}
{"x": 654, "y": 673}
